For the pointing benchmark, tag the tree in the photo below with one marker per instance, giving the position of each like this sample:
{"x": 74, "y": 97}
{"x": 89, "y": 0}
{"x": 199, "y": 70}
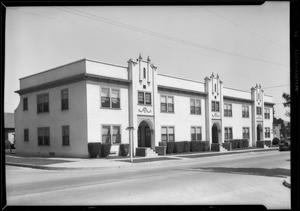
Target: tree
{"x": 287, "y": 103}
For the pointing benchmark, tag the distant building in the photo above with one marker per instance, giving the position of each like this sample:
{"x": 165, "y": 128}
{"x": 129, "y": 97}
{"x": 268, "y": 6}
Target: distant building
{"x": 63, "y": 109}
{"x": 9, "y": 127}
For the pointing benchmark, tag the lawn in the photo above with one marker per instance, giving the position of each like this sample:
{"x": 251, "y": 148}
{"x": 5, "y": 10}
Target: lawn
{"x": 32, "y": 160}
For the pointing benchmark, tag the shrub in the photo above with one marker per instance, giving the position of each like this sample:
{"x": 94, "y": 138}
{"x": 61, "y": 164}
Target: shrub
{"x": 260, "y": 144}
{"x": 105, "y": 149}
{"x": 186, "y": 146}
{"x": 205, "y": 145}
{"x": 268, "y": 143}
{"x": 193, "y": 146}
{"x": 275, "y": 141}
{"x": 239, "y": 143}
{"x": 162, "y": 143}
{"x": 170, "y": 147}
{"x": 124, "y": 149}
{"x": 7, "y": 144}
{"x": 178, "y": 147}
{"x": 94, "y": 149}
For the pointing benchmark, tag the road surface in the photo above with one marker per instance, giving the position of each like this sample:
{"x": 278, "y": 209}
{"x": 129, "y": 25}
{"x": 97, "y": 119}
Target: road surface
{"x": 248, "y": 178}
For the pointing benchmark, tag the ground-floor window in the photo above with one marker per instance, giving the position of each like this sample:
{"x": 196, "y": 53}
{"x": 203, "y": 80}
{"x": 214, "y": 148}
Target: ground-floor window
{"x": 196, "y": 134}
{"x": 26, "y": 135}
{"x": 65, "y": 135}
{"x": 228, "y": 133}
{"x": 111, "y": 134}
{"x": 246, "y": 133}
{"x": 267, "y": 132}
{"x": 43, "y": 136}
{"x": 167, "y": 134}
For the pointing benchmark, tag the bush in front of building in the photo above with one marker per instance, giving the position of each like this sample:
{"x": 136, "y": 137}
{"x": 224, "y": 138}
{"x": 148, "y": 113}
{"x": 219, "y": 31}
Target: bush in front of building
{"x": 204, "y": 146}
{"x": 178, "y": 147}
{"x": 94, "y": 149}
{"x": 7, "y": 144}
{"x": 239, "y": 143}
{"x": 193, "y": 146}
{"x": 170, "y": 147}
{"x": 124, "y": 149}
{"x": 260, "y": 144}
{"x": 105, "y": 149}
{"x": 268, "y": 143}
{"x": 275, "y": 141}
{"x": 186, "y": 146}
{"x": 162, "y": 143}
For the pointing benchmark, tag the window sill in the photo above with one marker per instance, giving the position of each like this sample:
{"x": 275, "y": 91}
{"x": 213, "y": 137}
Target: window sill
{"x": 196, "y": 114}
{"x": 65, "y": 109}
{"x": 66, "y": 145}
{"x": 166, "y": 112}
{"x": 46, "y": 112}
{"x": 110, "y": 108}
{"x": 144, "y": 104}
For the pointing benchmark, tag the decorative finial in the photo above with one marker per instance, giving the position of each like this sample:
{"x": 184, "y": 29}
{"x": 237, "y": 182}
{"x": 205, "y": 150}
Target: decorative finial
{"x": 217, "y": 75}
{"x": 212, "y": 75}
{"x": 148, "y": 59}
{"x": 140, "y": 57}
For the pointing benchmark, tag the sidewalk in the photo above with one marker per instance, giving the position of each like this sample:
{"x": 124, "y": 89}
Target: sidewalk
{"x": 58, "y": 163}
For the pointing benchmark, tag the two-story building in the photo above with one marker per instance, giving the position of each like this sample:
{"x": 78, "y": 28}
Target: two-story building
{"x": 63, "y": 109}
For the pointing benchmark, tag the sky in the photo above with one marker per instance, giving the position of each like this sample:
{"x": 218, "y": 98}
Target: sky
{"x": 245, "y": 45}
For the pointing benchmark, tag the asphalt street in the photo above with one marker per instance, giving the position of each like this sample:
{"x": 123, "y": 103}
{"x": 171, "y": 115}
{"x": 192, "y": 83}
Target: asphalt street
{"x": 249, "y": 178}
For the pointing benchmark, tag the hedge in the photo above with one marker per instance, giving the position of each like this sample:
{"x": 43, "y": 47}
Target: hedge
{"x": 275, "y": 141}
{"x": 186, "y": 146}
{"x": 124, "y": 149}
{"x": 239, "y": 143}
{"x": 170, "y": 147}
{"x": 260, "y": 144}
{"x": 268, "y": 143}
{"x": 94, "y": 149}
{"x": 105, "y": 149}
{"x": 178, "y": 147}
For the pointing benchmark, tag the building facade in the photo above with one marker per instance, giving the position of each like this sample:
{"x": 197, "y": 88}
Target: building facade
{"x": 63, "y": 109}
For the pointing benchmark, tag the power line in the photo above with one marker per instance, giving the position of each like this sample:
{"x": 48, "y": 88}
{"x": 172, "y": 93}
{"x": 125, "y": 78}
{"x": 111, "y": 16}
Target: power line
{"x": 119, "y": 24}
{"x": 270, "y": 87}
{"x": 243, "y": 28}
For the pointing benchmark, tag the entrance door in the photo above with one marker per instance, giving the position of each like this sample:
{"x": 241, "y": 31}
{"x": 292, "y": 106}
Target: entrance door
{"x": 215, "y": 134}
{"x": 144, "y": 135}
{"x": 258, "y": 132}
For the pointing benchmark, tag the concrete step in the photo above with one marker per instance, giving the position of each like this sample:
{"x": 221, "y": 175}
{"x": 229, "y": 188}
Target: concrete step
{"x": 222, "y": 149}
{"x": 151, "y": 153}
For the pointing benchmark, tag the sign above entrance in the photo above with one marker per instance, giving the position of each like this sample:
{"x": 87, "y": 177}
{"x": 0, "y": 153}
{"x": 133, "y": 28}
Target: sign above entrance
{"x": 145, "y": 110}
{"x": 215, "y": 115}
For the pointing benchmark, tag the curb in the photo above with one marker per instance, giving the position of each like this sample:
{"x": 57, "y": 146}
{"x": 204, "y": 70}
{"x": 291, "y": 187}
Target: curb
{"x": 148, "y": 163}
{"x": 287, "y": 182}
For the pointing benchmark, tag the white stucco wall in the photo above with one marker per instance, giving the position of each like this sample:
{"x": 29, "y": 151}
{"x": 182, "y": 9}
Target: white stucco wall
{"x": 237, "y": 122}
{"x": 108, "y": 70}
{"x": 180, "y": 83}
{"x": 181, "y": 119}
{"x": 54, "y": 74}
{"x": 269, "y": 123}
{"x": 236, "y": 93}
{"x": 75, "y": 117}
{"x": 97, "y": 116}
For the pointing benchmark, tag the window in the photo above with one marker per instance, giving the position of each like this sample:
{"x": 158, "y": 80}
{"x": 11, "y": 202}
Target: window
{"x": 246, "y": 134}
{"x": 25, "y": 104}
{"x": 245, "y": 111}
{"x": 258, "y": 110}
{"x": 64, "y": 99}
{"x": 43, "y": 136}
{"x": 66, "y": 135}
{"x": 267, "y": 113}
{"x": 215, "y": 106}
{"x": 144, "y": 72}
{"x": 167, "y": 134}
{"x": 144, "y": 98}
{"x": 167, "y": 104}
{"x": 267, "y": 132}
{"x": 227, "y": 110}
{"x": 196, "y": 134}
{"x": 195, "y": 106}
{"x": 228, "y": 133}
{"x": 111, "y": 134}
{"x": 110, "y": 98}
{"x": 43, "y": 103}
{"x": 26, "y": 135}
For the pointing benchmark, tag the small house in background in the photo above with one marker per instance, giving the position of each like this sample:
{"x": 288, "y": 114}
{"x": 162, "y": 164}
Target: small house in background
{"x": 9, "y": 127}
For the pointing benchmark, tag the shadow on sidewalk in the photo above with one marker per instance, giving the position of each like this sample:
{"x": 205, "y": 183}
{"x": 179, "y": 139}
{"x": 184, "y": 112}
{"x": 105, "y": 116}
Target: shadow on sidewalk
{"x": 275, "y": 172}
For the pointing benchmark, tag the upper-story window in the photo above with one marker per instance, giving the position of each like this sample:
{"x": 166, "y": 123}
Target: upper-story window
{"x": 144, "y": 72}
{"x": 43, "y": 103}
{"x": 245, "y": 111}
{"x": 227, "y": 110}
{"x": 110, "y": 98}
{"x": 267, "y": 113}
{"x": 144, "y": 98}
{"x": 258, "y": 110}
{"x": 167, "y": 103}
{"x": 195, "y": 106}
{"x": 64, "y": 99}
{"x": 25, "y": 104}
{"x": 215, "y": 106}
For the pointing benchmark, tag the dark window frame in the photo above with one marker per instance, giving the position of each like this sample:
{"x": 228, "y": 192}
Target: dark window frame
{"x": 26, "y": 135}
{"x": 43, "y": 103}
{"x": 195, "y": 136}
{"x": 146, "y": 100}
{"x": 25, "y": 104}
{"x": 43, "y": 140}
{"x": 267, "y": 132}
{"x": 227, "y": 111}
{"x": 110, "y": 136}
{"x": 245, "y": 111}
{"x": 64, "y": 95}
{"x": 114, "y": 102}
{"x": 246, "y": 133}
{"x": 169, "y": 106}
{"x": 226, "y": 133}
{"x": 215, "y": 106}
{"x": 65, "y": 137}
{"x": 195, "y": 109}
{"x": 168, "y": 134}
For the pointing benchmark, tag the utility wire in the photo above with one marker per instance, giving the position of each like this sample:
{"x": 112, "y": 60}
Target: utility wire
{"x": 239, "y": 26}
{"x": 270, "y": 87}
{"x": 97, "y": 18}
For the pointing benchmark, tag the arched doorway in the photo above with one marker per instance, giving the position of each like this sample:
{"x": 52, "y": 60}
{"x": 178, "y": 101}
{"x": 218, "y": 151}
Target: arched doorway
{"x": 259, "y": 131}
{"x": 144, "y": 135}
{"x": 215, "y": 132}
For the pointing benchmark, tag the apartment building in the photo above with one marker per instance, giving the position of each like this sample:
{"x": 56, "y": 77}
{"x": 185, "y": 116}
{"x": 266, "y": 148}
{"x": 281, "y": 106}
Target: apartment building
{"x": 63, "y": 109}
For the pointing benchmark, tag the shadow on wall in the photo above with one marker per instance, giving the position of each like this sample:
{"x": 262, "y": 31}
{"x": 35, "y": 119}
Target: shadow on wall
{"x": 275, "y": 172}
